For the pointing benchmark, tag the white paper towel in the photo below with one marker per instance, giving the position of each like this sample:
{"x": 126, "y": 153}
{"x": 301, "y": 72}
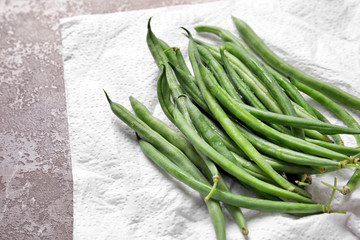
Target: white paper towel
{"x": 119, "y": 193}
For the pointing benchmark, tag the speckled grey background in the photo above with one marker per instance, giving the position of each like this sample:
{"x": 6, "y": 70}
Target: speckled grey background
{"x": 35, "y": 169}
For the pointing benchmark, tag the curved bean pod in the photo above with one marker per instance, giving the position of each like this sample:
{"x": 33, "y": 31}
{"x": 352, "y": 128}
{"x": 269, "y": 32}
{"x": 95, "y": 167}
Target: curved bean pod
{"x": 330, "y": 105}
{"x": 230, "y": 198}
{"x": 258, "y": 126}
{"x": 263, "y": 74}
{"x": 259, "y": 47}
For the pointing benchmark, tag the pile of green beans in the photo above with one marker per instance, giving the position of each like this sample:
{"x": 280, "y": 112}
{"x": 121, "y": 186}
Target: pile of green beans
{"x": 241, "y": 113}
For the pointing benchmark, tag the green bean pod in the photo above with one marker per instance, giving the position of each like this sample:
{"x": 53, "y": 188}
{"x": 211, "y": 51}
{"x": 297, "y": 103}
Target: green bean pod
{"x": 330, "y": 105}
{"x": 162, "y": 161}
{"x": 163, "y": 93}
{"x": 352, "y": 183}
{"x": 230, "y": 167}
{"x": 209, "y": 135}
{"x": 291, "y": 90}
{"x": 222, "y": 33}
{"x": 241, "y": 87}
{"x": 207, "y": 167}
{"x": 262, "y": 73}
{"x": 162, "y": 60}
{"x": 230, "y": 198}
{"x": 285, "y": 154}
{"x": 350, "y": 151}
{"x": 174, "y": 154}
{"x": 219, "y": 72}
{"x": 238, "y": 111}
{"x": 236, "y": 135}
{"x": 259, "y": 47}
{"x": 336, "y": 137}
{"x": 249, "y": 78}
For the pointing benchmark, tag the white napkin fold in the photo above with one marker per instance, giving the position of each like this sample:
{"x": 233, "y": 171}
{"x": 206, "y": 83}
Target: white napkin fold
{"x": 118, "y": 192}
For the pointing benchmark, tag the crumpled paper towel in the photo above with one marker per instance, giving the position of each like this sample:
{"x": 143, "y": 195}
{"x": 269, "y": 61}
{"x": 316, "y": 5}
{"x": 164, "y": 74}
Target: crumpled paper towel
{"x": 118, "y": 192}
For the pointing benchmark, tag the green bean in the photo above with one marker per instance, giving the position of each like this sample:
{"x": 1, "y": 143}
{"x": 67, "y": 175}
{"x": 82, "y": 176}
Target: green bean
{"x": 163, "y": 93}
{"x": 336, "y": 137}
{"x": 338, "y": 148}
{"x": 209, "y": 135}
{"x": 230, "y": 198}
{"x": 241, "y": 87}
{"x": 222, "y": 33}
{"x": 153, "y": 137}
{"x": 353, "y": 181}
{"x": 162, "y": 161}
{"x": 257, "y": 87}
{"x": 207, "y": 167}
{"x": 291, "y": 90}
{"x": 235, "y": 134}
{"x": 330, "y": 105}
{"x": 254, "y": 84}
{"x": 282, "y": 166}
{"x": 263, "y": 74}
{"x": 276, "y": 164}
{"x": 285, "y": 154}
{"x": 169, "y": 52}
{"x": 219, "y": 72}
{"x": 161, "y": 59}
{"x": 288, "y": 120}
{"x": 188, "y": 83}
{"x": 292, "y": 142}
{"x": 177, "y": 96}
{"x": 296, "y": 96}
{"x": 256, "y": 44}
{"x": 173, "y": 153}
{"x": 230, "y": 167}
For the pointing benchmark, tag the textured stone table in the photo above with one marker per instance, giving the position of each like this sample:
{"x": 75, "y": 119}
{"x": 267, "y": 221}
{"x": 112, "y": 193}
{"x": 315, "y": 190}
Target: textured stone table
{"x": 35, "y": 168}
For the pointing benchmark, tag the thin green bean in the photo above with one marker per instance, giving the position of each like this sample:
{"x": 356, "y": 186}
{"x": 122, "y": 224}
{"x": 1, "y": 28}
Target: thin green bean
{"x": 258, "y": 126}
{"x": 259, "y": 47}
{"x": 263, "y": 74}
{"x": 163, "y": 162}
{"x": 330, "y": 105}
{"x": 230, "y": 198}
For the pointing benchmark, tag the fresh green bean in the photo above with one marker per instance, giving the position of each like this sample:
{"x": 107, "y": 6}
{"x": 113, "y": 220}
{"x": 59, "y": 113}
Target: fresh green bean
{"x": 282, "y": 166}
{"x": 249, "y": 78}
{"x": 285, "y": 154}
{"x": 257, "y": 87}
{"x": 263, "y": 74}
{"x": 188, "y": 83}
{"x": 219, "y": 72}
{"x": 162, "y": 161}
{"x": 290, "y": 141}
{"x": 230, "y": 198}
{"x": 338, "y": 148}
{"x": 209, "y": 135}
{"x": 330, "y": 105}
{"x": 161, "y": 59}
{"x": 276, "y": 164}
{"x": 241, "y": 87}
{"x": 336, "y": 137}
{"x": 222, "y": 33}
{"x": 153, "y": 137}
{"x": 169, "y": 52}
{"x": 291, "y": 90}
{"x": 163, "y": 93}
{"x": 259, "y": 47}
{"x": 173, "y": 153}
{"x": 235, "y": 134}
{"x": 207, "y": 167}
{"x": 353, "y": 181}
{"x": 230, "y": 167}
{"x": 293, "y": 121}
